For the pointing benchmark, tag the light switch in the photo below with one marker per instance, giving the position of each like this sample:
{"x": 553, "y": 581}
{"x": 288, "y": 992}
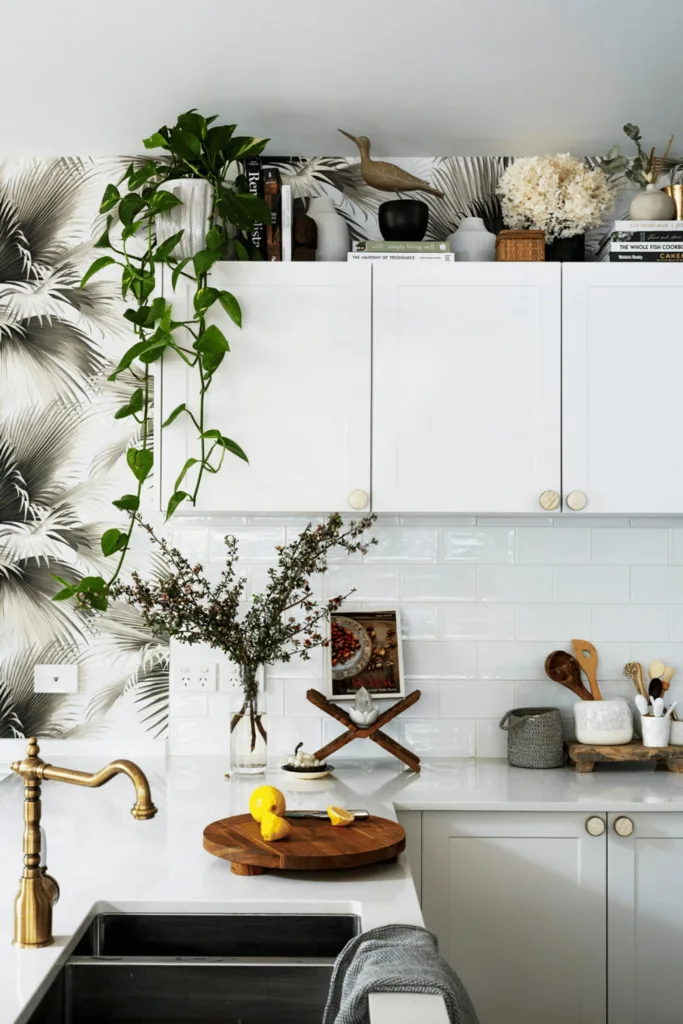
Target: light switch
{"x": 55, "y": 678}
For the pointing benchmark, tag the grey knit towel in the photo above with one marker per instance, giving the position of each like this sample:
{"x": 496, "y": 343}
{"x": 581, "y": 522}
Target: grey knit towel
{"x": 394, "y": 958}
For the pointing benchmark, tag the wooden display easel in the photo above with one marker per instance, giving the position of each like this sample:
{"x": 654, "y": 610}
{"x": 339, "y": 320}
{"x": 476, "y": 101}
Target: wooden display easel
{"x": 371, "y": 732}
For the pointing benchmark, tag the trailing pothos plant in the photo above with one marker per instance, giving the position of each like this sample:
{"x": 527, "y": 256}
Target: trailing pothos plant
{"x": 194, "y": 147}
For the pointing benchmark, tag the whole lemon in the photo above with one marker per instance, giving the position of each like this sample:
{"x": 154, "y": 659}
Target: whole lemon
{"x": 273, "y": 827}
{"x": 264, "y": 799}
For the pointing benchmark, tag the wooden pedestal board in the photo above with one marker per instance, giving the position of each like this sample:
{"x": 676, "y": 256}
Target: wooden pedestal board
{"x": 371, "y": 732}
{"x": 585, "y": 756}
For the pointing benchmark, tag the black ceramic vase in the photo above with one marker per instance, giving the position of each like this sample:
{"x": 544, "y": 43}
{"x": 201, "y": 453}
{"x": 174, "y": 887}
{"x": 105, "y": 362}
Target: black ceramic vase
{"x": 403, "y": 220}
{"x": 566, "y": 250}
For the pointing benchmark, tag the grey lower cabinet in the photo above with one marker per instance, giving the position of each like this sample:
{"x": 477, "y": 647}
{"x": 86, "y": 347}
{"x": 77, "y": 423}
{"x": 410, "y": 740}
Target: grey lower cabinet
{"x": 546, "y": 922}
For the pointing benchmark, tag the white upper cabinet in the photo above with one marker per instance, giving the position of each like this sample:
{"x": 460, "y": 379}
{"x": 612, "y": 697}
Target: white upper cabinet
{"x": 294, "y": 391}
{"x": 466, "y": 387}
{"x": 621, "y": 388}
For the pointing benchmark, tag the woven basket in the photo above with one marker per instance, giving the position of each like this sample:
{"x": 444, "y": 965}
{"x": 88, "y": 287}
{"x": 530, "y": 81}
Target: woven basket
{"x": 534, "y": 737}
{"x": 520, "y": 246}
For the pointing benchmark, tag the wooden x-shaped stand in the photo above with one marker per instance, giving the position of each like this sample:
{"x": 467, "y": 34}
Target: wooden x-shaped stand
{"x": 371, "y": 732}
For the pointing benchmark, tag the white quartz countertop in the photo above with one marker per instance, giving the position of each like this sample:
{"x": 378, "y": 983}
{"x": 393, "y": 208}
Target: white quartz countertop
{"x": 100, "y": 855}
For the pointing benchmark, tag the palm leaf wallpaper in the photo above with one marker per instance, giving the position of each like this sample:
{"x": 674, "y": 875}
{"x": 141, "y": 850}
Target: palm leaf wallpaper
{"x": 62, "y": 456}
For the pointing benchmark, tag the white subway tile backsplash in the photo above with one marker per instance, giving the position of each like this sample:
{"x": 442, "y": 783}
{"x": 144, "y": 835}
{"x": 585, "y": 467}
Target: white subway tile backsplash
{"x": 624, "y": 546}
{"x": 492, "y": 741}
{"x": 624, "y": 621}
{"x": 592, "y": 583}
{"x": 676, "y": 623}
{"x": 438, "y": 583}
{"x": 489, "y": 544}
{"x": 369, "y": 582}
{"x": 477, "y": 622}
{"x": 404, "y": 544}
{"x": 296, "y": 704}
{"x": 424, "y": 659}
{"x": 450, "y": 738}
{"x": 193, "y": 542}
{"x": 419, "y": 621}
{"x": 548, "y": 621}
{"x": 189, "y": 705}
{"x": 285, "y": 733}
{"x": 256, "y": 543}
{"x": 428, "y": 704}
{"x": 477, "y": 699}
{"x": 515, "y": 583}
{"x": 517, "y": 660}
{"x": 676, "y": 547}
{"x": 655, "y": 584}
{"x": 550, "y": 546}
{"x": 543, "y": 693}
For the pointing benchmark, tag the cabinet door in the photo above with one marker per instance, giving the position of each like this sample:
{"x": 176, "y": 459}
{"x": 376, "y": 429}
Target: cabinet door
{"x": 622, "y": 437}
{"x": 294, "y": 390}
{"x": 645, "y": 915}
{"x": 518, "y": 904}
{"x": 466, "y": 386}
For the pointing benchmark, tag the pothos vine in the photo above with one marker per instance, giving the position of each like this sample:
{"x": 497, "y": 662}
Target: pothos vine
{"x": 195, "y": 148}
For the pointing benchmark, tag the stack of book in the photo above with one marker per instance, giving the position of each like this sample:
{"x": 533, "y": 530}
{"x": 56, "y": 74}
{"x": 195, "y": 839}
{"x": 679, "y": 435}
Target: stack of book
{"x": 376, "y": 250}
{"x": 272, "y": 241}
{"x": 647, "y": 241}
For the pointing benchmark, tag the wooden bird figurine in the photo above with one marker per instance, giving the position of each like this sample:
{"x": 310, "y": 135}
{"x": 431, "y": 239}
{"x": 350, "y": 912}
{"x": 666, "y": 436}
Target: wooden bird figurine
{"x": 385, "y": 176}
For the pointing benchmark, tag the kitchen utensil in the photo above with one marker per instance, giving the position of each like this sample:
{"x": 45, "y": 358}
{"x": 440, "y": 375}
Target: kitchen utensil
{"x": 642, "y": 704}
{"x": 667, "y": 675}
{"x": 603, "y": 722}
{"x": 564, "y": 669}
{"x": 657, "y": 707}
{"x": 633, "y": 670}
{"x": 587, "y": 657}
{"x": 534, "y": 737}
{"x": 655, "y": 731}
{"x": 655, "y": 687}
{"x": 323, "y": 815}
{"x": 671, "y": 709}
{"x": 312, "y": 844}
{"x": 656, "y": 669}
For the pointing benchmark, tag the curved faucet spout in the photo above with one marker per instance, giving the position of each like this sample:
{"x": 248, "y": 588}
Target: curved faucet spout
{"x": 143, "y": 807}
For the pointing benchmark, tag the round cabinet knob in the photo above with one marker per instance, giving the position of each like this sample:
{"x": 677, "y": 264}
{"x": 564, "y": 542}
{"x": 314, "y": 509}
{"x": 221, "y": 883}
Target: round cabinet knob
{"x": 358, "y": 499}
{"x": 576, "y": 500}
{"x": 549, "y": 500}
{"x": 595, "y": 826}
{"x": 623, "y": 827}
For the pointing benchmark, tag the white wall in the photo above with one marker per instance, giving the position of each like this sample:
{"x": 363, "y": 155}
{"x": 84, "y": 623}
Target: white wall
{"x": 441, "y": 76}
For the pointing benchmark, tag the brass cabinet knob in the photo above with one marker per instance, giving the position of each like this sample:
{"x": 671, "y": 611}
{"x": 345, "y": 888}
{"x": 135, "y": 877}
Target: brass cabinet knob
{"x": 576, "y": 500}
{"x": 358, "y": 499}
{"x": 623, "y": 826}
{"x": 549, "y": 500}
{"x": 595, "y": 826}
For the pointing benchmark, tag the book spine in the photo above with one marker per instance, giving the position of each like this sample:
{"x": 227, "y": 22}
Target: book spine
{"x": 647, "y": 236}
{"x": 253, "y": 169}
{"x": 647, "y": 225}
{"x": 271, "y": 194}
{"x": 371, "y": 245}
{"x": 646, "y": 257}
{"x": 676, "y": 246}
{"x": 286, "y": 207}
{"x": 441, "y": 257}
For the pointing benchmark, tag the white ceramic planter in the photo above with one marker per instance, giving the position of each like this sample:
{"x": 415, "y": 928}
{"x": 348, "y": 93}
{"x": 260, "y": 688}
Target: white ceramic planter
{"x": 603, "y": 721}
{"x": 334, "y": 240}
{"x": 655, "y": 731}
{"x": 193, "y": 217}
{"x": 472, "y": 242}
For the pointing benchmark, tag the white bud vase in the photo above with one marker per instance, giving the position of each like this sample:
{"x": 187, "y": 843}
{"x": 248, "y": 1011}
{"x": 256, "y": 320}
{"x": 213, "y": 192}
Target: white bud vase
{"x": 193, "y": 217}
{"x": 652, "y": 204}
{"x": 472, "y": 242}
{"x": 333, "y": 233}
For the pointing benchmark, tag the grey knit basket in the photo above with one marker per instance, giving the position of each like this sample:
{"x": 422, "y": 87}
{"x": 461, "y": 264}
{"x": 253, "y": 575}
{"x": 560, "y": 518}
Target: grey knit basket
{"x": 534, "y": 737}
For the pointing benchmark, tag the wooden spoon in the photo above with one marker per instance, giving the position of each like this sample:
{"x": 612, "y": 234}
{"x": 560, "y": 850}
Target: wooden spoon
{"x": 587, "y": 657}
{"x": 563, "y": 668}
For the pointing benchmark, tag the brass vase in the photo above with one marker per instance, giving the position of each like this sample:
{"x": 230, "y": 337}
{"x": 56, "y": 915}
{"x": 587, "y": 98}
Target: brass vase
{"x": 676, "y": 193}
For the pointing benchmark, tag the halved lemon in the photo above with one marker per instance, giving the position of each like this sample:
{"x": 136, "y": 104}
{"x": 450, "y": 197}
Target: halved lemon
{"x": 273, "y": 827}
{"x": 266, "y": 798}
{"x": 340, "y": 816}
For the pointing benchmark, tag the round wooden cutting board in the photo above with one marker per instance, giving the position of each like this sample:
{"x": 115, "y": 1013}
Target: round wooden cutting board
{"x": 312, "y": 845}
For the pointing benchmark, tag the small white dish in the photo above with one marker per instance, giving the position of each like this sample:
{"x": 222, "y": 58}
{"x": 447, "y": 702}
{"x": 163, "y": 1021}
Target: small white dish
{"x": 309, "y": 774}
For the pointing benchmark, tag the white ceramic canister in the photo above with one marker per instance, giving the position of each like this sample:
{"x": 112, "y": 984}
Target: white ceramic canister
{"x": 603, "y": 721}
{"x": 655, "y": 731}
{"x": 676, "y": 733}
{"x": 333, "y": 232}
{"x": 472, "y": 242}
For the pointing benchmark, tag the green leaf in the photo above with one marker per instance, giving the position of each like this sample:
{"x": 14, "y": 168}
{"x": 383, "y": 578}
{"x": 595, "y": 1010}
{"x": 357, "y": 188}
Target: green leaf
{"x": 127, "y": 358}
{"x": 127, "y": 278}
{"x": 112, "y": 541}
{"x": 103, "y": 241}
{"x": 90, "y": 584}
{"x": 214, "y": 238}
{"x": 218, "y": 138}
{"x": 140, "y": 461}
{"x": 174, "y": 501}
{"x": 242, "y": 251}
{"x": 162, "y": 201}
{"x": 240, "y": 147}
{"x": 94, "y": 268}
{"x": 242, "y": 209}
{"x": 232, "y": 446}
{"x": 188, "y": 465}
{"x": 164, "y": 250}
{"x": 155, "y": 347}
{"x": 211, "y": 361}
{"x": 65, "y": 594}
{"x": 131, "y": 229}
{"x": 60, "y": 579}
{"x": 204, "y": 298}
{"x": 193, "y": 122}
{"x": 142, "y": 175}
{"x": 185, "y": 144}
{"x": 204, "y": 260}
{"x": 155, "y": 141}
{"x": 133, "y": 405}
{"x": 129, "y": 207}
{"x": 174, "y": 415}
{"x": 127, "y": 503}
{"x": 109, "y": 199}
{"x": 211, "y": 340}
{"x": 142, "y": 289}
{"x": 231, "y": 307}
{"x": 178, "y": 271}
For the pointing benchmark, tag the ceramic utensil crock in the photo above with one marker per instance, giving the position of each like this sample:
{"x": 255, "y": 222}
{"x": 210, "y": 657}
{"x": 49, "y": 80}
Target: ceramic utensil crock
{"x": 603, "y": 721}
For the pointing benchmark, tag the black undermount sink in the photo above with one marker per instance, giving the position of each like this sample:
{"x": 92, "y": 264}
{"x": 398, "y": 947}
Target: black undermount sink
{"x": 177, "y": 968}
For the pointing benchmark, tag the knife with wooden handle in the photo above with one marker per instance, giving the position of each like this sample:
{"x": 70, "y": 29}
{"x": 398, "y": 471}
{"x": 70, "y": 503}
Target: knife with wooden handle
{"x": 324, "y": 816}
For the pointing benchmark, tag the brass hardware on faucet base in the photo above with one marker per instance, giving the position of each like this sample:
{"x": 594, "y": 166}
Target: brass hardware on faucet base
{"x": 38, "y": 891}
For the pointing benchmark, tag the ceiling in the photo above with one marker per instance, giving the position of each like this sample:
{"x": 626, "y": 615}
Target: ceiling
{"x": 419, "y": 77}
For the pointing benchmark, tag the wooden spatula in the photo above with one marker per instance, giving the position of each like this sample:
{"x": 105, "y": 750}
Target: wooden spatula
{"x": 587, "y": 657}
{"x": 563, "y": 668}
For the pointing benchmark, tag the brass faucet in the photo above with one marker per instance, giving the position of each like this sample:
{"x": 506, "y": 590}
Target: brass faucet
{"x": 38, "y": 891}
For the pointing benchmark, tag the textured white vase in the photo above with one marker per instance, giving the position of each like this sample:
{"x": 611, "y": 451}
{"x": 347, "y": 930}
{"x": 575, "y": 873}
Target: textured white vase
{"x": 472, "y": 242}
{"x": 603, "y": 721}
{"x": 652, "y": 204}
{"x": 334, "y": 241}
{"x": 194, "y": 216}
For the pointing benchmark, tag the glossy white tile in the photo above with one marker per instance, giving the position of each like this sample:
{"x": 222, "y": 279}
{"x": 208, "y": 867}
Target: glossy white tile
{"x": 515, "y": 583}
{"x": 445, "y": 738}
{"x": 517, "y": 660}
{"x": 592, "y": 583}
{"x": 404, "y": 544}
{"x": 657, "y": 584}
{"x": 550, "y": 546}
{"x": 487, "y": 544}
{"x": 492, "y": 741}
{"x": 548, "y": 621}
{"x": 624, "y": 546}
{"x": 424, "y": 659}
{"x": 369, "y": 582}
{"x": 624, "y": 621}
{"x": 476, "y": 698}
{"x": 477, "y": 622}
{"x": 438, "y": 583}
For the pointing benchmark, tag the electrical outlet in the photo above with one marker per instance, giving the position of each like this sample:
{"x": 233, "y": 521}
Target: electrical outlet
{"x": 197, "y": 677}
{"x": 231, "y": 681}
{"x": 55, "y": 678}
